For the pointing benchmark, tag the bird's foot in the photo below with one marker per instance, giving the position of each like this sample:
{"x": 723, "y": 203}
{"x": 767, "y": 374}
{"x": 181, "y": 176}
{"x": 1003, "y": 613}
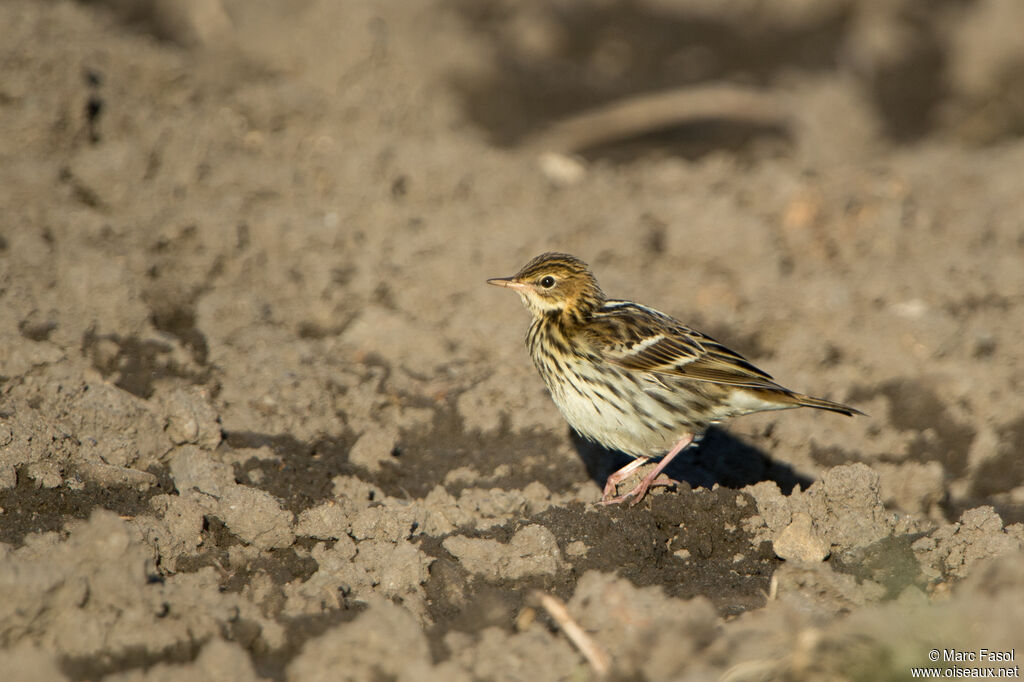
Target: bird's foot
{"x": 636, "y": 493}
{"x": 613, "y": 481}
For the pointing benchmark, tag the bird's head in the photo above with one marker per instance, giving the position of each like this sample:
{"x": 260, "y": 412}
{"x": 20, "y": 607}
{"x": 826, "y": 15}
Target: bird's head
{"x": 553, "y": 284}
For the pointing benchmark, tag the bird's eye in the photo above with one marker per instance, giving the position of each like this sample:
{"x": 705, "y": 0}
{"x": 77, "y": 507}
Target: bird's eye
{"x": 548, "y": 282}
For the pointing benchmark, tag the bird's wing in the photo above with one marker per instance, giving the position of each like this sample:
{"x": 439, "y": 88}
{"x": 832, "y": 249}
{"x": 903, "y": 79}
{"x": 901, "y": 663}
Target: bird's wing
{"x": 638, "y": 338}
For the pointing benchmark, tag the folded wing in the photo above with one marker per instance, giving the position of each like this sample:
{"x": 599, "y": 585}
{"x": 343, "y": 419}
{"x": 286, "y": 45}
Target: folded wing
{"x": 638, "y": 338}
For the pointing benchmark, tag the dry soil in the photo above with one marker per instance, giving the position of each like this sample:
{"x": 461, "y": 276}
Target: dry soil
{"x": 261, "y": 418}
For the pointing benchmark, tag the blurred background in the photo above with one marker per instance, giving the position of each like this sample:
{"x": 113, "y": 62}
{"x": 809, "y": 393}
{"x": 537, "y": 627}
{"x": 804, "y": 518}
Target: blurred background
{"x": 261, "y": 230}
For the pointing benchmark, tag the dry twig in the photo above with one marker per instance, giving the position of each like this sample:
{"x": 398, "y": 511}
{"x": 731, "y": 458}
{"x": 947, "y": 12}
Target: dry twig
{"x": 591, "y": 650}
{"x": 647, "y": 113}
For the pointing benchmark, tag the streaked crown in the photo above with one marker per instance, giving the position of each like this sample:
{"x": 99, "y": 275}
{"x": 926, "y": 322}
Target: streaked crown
{"x": 555, "y": 283}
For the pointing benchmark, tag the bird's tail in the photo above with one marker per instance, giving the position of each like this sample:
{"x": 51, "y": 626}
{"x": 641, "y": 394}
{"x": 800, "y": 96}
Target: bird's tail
{"x": 822, "y": 404}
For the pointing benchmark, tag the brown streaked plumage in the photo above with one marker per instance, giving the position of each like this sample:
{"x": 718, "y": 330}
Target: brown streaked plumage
{"x": 631, "y": 378}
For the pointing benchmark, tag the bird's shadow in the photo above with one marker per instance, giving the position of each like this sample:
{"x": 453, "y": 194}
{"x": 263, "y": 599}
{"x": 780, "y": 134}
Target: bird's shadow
{"x": 718, "y": 458}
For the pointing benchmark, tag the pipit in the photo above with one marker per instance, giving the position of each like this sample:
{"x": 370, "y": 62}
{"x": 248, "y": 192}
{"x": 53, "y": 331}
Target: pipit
{"x": 631, "y": 378}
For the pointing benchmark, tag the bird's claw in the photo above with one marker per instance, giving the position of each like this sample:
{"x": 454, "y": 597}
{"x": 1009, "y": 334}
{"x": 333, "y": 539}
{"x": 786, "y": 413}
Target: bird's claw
{"x": 638, "y": 493}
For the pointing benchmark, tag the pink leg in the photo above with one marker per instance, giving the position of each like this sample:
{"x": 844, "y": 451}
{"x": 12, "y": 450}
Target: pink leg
{"x": 649, "y": 480}
{"x": 619, "y": 476}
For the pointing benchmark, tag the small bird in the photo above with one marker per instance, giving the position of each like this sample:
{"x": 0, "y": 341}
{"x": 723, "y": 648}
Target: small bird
{"x": 631, "y": 378}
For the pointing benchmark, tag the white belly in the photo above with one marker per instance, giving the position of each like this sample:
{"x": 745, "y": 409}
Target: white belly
{"x": 634, "y": 422}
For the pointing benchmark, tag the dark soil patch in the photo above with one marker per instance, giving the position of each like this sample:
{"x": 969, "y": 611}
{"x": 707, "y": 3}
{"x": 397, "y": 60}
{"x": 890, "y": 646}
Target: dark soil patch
{"x": 303, "y": 475}
{"x": 28, "y": 508}
{"x": 423, "y": 458}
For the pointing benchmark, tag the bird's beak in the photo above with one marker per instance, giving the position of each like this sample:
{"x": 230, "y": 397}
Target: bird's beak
{"x": 508, "y": 283}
